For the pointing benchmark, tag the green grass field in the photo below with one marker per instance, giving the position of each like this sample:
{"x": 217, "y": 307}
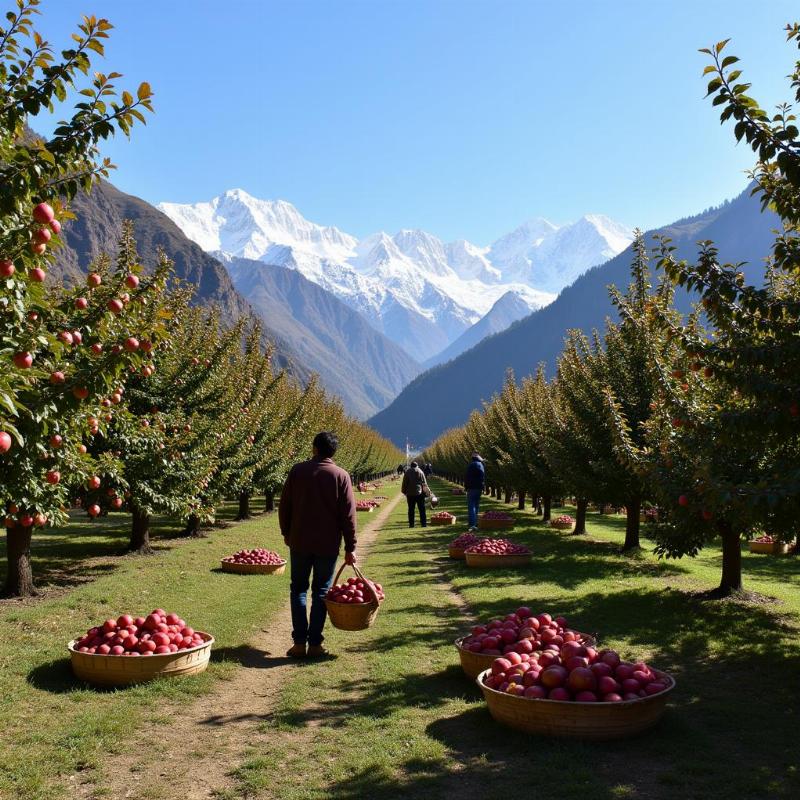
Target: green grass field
{"x": 393, "y": 715}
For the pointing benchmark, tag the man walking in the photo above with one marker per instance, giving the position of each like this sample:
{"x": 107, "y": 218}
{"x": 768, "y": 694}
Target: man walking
{"x": 414, "y": 488}
{"x": 474, "y": 483}
{"x": 317, "y": 510}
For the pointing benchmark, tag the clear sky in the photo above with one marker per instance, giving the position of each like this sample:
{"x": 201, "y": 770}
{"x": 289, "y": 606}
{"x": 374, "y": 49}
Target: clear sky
{"x": 460, "y": 117}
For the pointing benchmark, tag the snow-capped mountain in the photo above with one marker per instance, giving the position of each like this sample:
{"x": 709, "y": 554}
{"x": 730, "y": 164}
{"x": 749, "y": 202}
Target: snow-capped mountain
{"x": 419, "y": 291}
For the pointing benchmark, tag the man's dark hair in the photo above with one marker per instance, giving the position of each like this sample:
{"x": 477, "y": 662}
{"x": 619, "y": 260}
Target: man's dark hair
{"x": 414, "y": 464}
{"x": 326, "y": 442}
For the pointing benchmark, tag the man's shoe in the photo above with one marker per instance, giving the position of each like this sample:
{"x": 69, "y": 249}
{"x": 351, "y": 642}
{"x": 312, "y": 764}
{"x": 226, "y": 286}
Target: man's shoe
{"x": 317, "y": 651}
{"x": 297, "y": 651}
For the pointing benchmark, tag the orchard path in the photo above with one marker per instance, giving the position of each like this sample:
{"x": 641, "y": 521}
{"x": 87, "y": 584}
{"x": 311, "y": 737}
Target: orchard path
{"x": 191, "y": 754}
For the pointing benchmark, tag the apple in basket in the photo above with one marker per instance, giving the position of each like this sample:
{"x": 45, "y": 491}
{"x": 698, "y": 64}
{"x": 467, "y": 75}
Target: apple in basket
{"x": 597, "y": 681}
{"x": 159, "y": 633}
{"x": 354, "y": 591}
{"x": 497, "y": 547}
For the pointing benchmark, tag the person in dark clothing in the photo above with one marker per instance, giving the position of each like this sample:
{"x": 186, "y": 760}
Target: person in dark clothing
{"x": 415, "y": 487}
{"x": 401, "y": 469}
{"x": 474, "y": 483}
{"x": 317, "y": 511}
{"x": 428, "y": 470}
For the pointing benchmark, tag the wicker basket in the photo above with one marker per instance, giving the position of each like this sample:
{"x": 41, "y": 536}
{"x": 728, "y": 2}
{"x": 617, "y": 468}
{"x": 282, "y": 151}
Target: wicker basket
{"x": 773, "y": 548}
{"x": 451, "y": 521}
{"x": 253, "y": 569}
{"x": 562, "y": 526}
{"x": 495, "y": 524}
{"x": 495, "y": 562}
{"x": 475, "y": 663}
{"x": 124, "y": 670}
{"x": 598, "y": 721}
{"x": 365, "y": 510}
{"x": 456, "y": 552}
{"x": 353, "y": 616}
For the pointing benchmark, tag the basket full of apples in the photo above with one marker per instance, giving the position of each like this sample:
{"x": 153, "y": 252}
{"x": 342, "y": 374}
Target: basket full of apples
{"x": 575, "y": 692}
{"x": 497, "y": 553}
{"x": 563, "y": 522}
{"x": 131, "y": 649}
{"x": 366, "y": 506}
{"x": 354, "y": 604}
{"x": 443, "y": 518}
{"x": 457, "y": 547}
{"x": 522, "y": 632}
{"x": 254, "y": 562}
{"x": 768, "y": 544}
{"x": 495, "y": 520}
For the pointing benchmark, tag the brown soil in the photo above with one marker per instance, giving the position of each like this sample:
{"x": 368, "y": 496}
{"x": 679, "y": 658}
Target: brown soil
{"x": 191, "y": 755}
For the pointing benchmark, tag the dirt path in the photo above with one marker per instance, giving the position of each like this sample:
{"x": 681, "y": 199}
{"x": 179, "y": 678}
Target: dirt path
{"x": 191, "y": 755}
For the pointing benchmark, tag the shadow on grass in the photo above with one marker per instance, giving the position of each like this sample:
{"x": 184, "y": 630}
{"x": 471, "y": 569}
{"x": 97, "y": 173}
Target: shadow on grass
{"x": 252, "y": 657}
{"x": 55, "y": 677}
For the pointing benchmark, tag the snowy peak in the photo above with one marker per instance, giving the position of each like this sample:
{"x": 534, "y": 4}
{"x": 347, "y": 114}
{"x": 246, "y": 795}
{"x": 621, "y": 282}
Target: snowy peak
{"x": 245, "y": 226}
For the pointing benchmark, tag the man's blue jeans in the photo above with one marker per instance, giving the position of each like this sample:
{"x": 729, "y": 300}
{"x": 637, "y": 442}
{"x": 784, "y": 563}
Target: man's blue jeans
{"x": 302, "y": 565}
{"x": 473, "y": 506}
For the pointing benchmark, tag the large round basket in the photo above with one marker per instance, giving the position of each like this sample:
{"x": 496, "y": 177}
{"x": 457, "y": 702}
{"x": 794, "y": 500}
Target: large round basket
{"x": 124, "y": 670}
{"x": 353, "y": 616}
{"x": 497, "y": 562}
{"x": 253, "y": 569}
{"x": 451, "y": 521}
{"x": 475, "y": 663}
{"x": 562, "y": 526}
{"x": 773, "y": 548}
{"x": 495, "y": 524}
{"x": 598, "y": 721}
{"x": 365, "y": 510}
{"x": 455, "y": 552}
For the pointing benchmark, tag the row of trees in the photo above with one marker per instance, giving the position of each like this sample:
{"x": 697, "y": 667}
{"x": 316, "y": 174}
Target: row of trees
{"x": 699, "y": 415}
{"x": 118, "y": 394}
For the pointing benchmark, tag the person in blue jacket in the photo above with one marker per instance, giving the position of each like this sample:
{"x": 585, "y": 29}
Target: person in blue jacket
{"x": 474, "y": 483}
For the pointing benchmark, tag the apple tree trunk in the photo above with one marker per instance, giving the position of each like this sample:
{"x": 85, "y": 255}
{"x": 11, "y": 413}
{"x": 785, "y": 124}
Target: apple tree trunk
{"x": 580, "y": 515}
{"x": 140, "y": 533}
{"x": 521, "y": 500}
{"x": 269, "y": 502}
{"x": 546, "y": 503}
{"x": 192, "y": 526}
{"x": 731, "y": 580}
{"x": 244, "y": 506}
{"x": 19, "y": 580}
{"x": 507, "y": 498}
{"x": 633, "y": 508}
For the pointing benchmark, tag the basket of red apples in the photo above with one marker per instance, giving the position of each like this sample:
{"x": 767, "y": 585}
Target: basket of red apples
{"x": 575, "y": 692}
{"x": 497, "y": 553}
{"x": 113, "y": 654}
{"x": 353, "y": 605}
{"x": 522, "y": 632}
{"x": 768, "y": 544}
{"x": 562, "y": 523}
{"x": 443, "y": 518}
{"x": 495, "y": 520}
{"x": 254, "y": 562}
{"x": 457, "y": 547}
{"x": 366, "y": 505}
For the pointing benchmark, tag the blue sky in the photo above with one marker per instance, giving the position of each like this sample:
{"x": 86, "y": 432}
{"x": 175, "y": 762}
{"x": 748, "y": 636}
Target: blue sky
{"x": 460, "y": 117}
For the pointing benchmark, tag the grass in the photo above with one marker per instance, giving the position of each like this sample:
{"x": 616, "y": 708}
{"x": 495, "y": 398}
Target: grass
{"x": 394, "y": 716}
{"x": 51, "y": 726}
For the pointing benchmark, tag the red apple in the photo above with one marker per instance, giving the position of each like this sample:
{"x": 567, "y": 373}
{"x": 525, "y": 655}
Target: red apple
{"x": 5, "y": 442}
{"x": 683, "y": 500}
{"x": 80, "y": 392}
{"x": 7, "y": 268}
{"x": 553, "y": 677}
{"x": 26, "y": 521}
{"x": 93, "y": 280}
{"x": 42, "y": 235}
{"x": 93, "y": 482}
{"x": 132, "y": 281}
{"x": 55, "y": 226}
{"x": 81, "y": 304}
{"x": 38, "y": 249}
{"x": 93, "y": 510}
{"x": 43, "y": 213}
{"x": 23, "y": 360}
{"x": 559, "y": 693}
{"x": 66, "y": 337}
{"x": 53, "y": 476}
{"x": 581, "y": 679}
{"x": 57, "y": 377}
{"x": 56, "y": 441}
{"x": 131, "y": 344}
{"x": 97, "y": 348}
{"x": 114, "y": 306}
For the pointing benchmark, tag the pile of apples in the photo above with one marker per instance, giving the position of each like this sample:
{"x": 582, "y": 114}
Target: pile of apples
{"x": 159, "y": 633}
{"x": 257, "y": 556}
{"x": 564, "y": 521}
{"x": 498, "y": 547}
{"x": 354, "y": 592}
{"x": 366, "y": 505}
{"x": 464, "y": 541}
{"x": 574, "y": 673}
{"x": 501, "y": 515}
{"x": 522, "y": 632}
{"x": 443, "y": 516}
{"x": 765, "y": 538}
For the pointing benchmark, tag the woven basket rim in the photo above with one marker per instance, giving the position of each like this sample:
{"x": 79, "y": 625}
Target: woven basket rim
{"x": 206, "y": 642}
{"x": 373, "y": 603}
{"x": 240, "y": 564}
{"x": 663, "y": 693}
{"x": 499, "y": 555}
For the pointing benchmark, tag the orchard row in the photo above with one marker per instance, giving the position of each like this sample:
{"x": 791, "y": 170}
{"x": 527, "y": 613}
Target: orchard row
{"x": 697, "y": 415}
